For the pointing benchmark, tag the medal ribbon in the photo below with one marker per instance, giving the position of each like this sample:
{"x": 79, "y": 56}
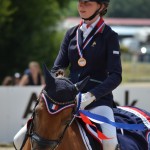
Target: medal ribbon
{"x": 101, "y": 22}
{"x": 99, "y": 29}
{"x": 78, "y": 47}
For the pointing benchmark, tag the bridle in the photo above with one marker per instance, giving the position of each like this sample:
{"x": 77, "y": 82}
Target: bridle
{"x": 52, "y": 144}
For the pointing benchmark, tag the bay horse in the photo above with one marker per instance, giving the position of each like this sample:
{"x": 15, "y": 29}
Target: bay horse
{"x": 57, "y": 130}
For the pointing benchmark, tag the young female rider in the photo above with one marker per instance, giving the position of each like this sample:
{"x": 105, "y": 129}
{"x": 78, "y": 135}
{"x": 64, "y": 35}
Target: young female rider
{"x": 92, "y": 49}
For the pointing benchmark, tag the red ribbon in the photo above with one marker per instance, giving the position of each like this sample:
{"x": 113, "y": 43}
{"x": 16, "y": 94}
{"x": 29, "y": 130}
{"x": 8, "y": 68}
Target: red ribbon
{"x": 87, "y": 121}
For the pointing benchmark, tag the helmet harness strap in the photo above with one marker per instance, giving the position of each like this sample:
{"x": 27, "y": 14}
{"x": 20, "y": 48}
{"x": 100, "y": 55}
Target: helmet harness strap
{"x": 93, "y": 16}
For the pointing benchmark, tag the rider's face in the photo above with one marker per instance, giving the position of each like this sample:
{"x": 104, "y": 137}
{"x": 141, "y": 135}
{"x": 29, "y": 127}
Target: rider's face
{"x": 86, "y": 9}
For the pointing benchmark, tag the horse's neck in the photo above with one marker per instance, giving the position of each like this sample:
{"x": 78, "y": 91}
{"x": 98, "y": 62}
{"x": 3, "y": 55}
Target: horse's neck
{"x": 27, "y": 145}
{"x": 72, "y": 139}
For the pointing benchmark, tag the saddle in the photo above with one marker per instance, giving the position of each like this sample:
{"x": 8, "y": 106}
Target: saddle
{"x": 128, "y": 139}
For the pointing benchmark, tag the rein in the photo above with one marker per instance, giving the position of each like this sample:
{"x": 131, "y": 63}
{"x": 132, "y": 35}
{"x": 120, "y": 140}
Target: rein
{"x": 53, "y": 144}
{"x": 30, "y": 128}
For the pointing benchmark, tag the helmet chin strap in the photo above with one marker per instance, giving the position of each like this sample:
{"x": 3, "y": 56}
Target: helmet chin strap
{"x": 93, "y": 16}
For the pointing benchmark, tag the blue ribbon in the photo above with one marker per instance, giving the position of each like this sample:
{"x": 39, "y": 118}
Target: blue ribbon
{"x": 106, "y": 120}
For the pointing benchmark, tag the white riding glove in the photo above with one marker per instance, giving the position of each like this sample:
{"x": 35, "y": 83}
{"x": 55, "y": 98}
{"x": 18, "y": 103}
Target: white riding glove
{"x": 86, "y": 99}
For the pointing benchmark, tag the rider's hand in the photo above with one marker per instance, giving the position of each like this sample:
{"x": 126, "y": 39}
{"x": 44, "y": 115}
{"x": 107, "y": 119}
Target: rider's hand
{"x": 86, "y": 99}
{"x": 60, "y": 73}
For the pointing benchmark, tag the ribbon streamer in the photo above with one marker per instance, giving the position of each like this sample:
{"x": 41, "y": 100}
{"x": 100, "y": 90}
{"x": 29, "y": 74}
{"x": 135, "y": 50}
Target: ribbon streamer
{"x": 101, "y": 119}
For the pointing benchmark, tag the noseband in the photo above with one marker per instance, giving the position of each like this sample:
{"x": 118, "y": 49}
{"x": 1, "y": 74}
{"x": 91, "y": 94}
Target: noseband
{"x": 42, "y": 142}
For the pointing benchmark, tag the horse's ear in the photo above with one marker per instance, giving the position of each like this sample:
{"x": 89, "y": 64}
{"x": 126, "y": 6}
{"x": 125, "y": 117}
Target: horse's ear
{"x": 49, "y": 79}
{"x": 80, "y": 85}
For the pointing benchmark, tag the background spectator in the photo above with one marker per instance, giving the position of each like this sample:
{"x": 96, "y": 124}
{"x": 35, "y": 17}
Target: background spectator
{"x": 8, "y": 80}
{"x": 33, "y": 75}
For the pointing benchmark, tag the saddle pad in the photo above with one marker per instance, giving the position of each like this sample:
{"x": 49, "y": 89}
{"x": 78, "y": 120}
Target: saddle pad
{"x": 89, "y": 136}
{"x": 135, "y": 115}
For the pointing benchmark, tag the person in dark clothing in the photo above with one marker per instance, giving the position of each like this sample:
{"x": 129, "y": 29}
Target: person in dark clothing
{"x": 33, "y": 75}
{"x": 92, "y": 49}
{"x": 8, "y": 81}
{"x": 31, "y": 81}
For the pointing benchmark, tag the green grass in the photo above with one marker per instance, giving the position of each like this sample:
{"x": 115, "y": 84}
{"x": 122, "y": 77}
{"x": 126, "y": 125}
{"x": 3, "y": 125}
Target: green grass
{"x": 136, "y": 72}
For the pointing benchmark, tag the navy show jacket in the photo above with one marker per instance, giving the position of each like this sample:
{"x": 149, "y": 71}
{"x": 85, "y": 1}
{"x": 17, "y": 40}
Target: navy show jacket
{"x": 103, "y": 63}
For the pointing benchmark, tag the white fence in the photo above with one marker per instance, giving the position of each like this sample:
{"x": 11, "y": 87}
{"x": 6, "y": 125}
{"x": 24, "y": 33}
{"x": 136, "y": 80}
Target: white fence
{"x": 16, "y": 104}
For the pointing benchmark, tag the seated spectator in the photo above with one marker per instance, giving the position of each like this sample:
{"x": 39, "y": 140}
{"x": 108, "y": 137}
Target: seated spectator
{"x": 8, "y": 80}
{"x": 33, "y": 75}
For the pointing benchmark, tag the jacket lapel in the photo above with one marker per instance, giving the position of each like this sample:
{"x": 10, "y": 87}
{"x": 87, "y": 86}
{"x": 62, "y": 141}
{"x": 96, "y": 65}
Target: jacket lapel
{"x": 90, "y": 35}
{"x": 93, "y": 31}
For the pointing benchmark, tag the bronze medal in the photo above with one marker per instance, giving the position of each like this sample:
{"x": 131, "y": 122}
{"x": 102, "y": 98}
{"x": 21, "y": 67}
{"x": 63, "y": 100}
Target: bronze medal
{"x": 82, "y": 62}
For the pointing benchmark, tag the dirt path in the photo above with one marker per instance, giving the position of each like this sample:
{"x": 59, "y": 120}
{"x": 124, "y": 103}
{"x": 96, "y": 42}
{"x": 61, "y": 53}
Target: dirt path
{"x": 6, "y": 147}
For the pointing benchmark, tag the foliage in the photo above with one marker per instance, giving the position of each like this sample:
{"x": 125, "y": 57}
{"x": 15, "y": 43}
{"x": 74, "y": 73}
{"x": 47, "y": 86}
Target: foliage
{"x": 72, "y": 9}
{"x": 30, "y": 34}
{"x": 124, "y": 49}
{"x": 5, "y": 11}
{"x": 129, "y": 9}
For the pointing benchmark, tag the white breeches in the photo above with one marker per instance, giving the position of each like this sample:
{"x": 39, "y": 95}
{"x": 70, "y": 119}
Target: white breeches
{"x": 107, "y": 129}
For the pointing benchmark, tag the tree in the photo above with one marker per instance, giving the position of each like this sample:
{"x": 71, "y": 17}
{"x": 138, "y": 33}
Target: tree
{"x": 129, "y": 9}
{"x": 28, "y": 35}
{"x": 72, "y": 9}
{"x": 6, "y": 13}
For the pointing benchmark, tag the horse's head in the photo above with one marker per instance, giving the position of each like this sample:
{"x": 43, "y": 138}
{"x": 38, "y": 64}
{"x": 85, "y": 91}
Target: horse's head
{"x": 54, "y": 111}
